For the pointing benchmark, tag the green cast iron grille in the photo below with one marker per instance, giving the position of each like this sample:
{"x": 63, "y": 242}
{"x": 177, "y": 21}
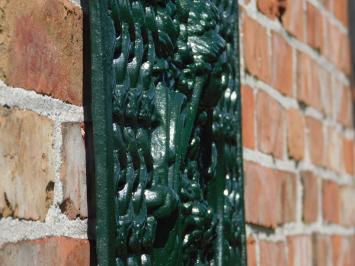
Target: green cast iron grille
{"x": 167, "y": 132}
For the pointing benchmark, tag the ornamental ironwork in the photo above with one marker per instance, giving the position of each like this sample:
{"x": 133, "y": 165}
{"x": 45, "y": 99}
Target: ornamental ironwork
{"x": 167, "y": 132}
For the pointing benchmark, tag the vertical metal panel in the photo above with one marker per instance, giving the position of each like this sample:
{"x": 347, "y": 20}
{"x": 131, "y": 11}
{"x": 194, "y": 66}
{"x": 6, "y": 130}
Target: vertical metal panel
{"x": 167, "y": 132}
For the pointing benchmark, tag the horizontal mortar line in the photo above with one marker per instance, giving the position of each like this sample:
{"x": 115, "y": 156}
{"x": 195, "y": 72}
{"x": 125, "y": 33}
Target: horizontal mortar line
{"x": 296, "y": 229}
{"x": 298, "y": 45}
{"x": 267, "y": 160}
{"x": 41, "y": 104}
{"x": 14, "y": 230}
{"x": 290, "y": 102}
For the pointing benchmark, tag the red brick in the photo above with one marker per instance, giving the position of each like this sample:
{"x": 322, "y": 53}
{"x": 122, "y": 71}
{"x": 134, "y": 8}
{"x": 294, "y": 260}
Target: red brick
{"x": 348, "y": 155}
{"x": 73, "y": 171}
{"x": 347, "y": 206}
{"x": 248, "y": 117}
{"x": 310, "y": 197}
{"x": 296, "y": 134}
{"x": 308, "y": 87}
{"x": 54, "y": 251}
{"x": 251, "y": 251}
{"x": 262, "y": 206}
{"x": 344, "y": 105}
{"x": 331, "y": 201}
{"x": 321, "y": 248}
{"x": 323, "y": 79}
{"x": 299, "y": 251}
{"x": 272, "y": 8}
{"x": 343, "y": 251}
{"x": 316, "y": 141}
{"x": 256, "y": 49}
{"x": 315, "y": 26}
{"x": 294, "y": 19}
{"x": 341, "y": 9}
{"x": 271, "y": 125}
{"x": 26, "y": 164}
{"x": 338, "y": 52}
{"x": 282, "y": 74}
{"x": 42, "y": 47}
{"x": 334, "y": 150}
{"x": 272, "y": 253}
{"x": 288, "y": 196}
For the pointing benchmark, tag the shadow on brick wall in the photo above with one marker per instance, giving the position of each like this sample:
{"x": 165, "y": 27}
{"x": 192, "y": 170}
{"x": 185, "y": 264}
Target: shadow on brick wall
{"x": 90, "y": 170}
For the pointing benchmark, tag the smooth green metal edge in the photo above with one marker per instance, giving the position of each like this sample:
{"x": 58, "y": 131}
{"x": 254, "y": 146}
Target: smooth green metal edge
{"x": 102, "y": 133}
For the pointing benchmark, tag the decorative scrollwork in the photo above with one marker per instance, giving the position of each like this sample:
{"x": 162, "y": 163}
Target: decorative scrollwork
{"x": 176, "y": 131}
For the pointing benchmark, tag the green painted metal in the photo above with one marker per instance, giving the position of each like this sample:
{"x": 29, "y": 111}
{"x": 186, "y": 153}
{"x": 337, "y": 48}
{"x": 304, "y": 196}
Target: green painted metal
{"x": 167, "y": 132}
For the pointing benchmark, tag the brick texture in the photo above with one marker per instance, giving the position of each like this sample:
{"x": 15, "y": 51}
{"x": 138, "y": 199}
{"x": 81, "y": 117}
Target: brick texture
{"x": 299, "y": 169}
{"x": 295, "y": 134}
{"x": 271, "y": 125}
{"x": 272, "y": 254}
{"x": 310, "y": 197}
{"x": 256, "y": 49}
{"x": 56, "y": 251}
{"x": 73, "y": 171}
{"x": 26, "y": 163}
{"x": 41, "y": 44}
{"x": 248, "y": 110}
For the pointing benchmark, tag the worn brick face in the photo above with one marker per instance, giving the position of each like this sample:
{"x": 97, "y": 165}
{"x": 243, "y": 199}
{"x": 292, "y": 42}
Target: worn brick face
{"x": 316, "y": 140}
{"x": 330, "y": 201}
{"x": 54, "y": 251}
{"x": 299, "y": 251}
{"x": 308, "y": 85}
{"x": 263, "y": 206}
{"x": 310, "y": 197}
{"x": 251, "y": 250}
{"x": 73, "y": 171}
{"x": 347, "y": 208}
{"x": 42, "y": 47}
{"x": 294, "y": 19}
{"x": 321, "y": 249}
{"x": 343, "y": 250}
{"x": 272, "y": 253}
{"x": 344, "y": 106}
{"x": 281, "y": 59}
{"x": 315, "y": 24}
{"x": 248, "y": 114}
{"x": 256, "y": 49}
{"x": 288, "y": 196}
{"x": 295, "y": 134}
{"x": 26, "y": 163}
{"x": 271, "y": 125}
{"x": 338, "y": 52}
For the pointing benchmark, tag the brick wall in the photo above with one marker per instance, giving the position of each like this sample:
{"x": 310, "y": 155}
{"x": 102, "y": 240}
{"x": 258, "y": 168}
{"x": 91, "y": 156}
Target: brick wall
{"x": 298, "y": 132}
{"x": 43, "y": 201}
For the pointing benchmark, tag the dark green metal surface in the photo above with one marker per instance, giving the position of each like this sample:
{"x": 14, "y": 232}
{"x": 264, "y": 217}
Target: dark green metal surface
{"x": 167, "y": 132}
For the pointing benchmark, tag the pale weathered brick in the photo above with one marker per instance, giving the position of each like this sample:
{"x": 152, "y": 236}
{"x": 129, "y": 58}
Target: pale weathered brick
{"x": 26, "y": 163}
{"x": 73, "y": 171}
